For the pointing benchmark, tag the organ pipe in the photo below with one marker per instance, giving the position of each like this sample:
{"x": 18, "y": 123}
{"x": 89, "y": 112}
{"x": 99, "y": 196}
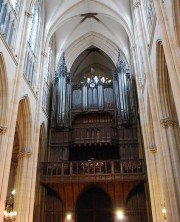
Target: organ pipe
{"x": 85, "y": 95}
{"x": 125, "y": 97}
{"x": 61, "y": 93}
{"x": 100, "y": 94}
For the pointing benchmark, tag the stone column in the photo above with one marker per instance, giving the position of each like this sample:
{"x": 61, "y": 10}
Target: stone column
{"x": 163, "y": 161}
{"x": 3, "y": 131}
{"x": 150, "y": 154}
{"x": 3, "y": 138}
{"x": 8, "y": 144}
{"x": 34, "y": 161}
{"x": 169, "y": 49}
{"x": 23, "y": 185}
{"x": 171, "y": 140}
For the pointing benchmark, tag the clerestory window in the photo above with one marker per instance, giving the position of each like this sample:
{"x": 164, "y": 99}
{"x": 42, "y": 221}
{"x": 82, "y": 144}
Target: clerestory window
{"x": 34, "y": 26}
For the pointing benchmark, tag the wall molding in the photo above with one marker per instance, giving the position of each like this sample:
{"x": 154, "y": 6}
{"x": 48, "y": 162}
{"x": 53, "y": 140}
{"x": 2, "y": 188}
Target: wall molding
{"x": 3, "y": 130}
{"x": 169, "y": 122}
{"x": 8, "y": 49}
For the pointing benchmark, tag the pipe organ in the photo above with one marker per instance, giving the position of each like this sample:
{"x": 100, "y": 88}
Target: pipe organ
{"x": 80, "y": 113}
{"x": 92, "y": 94}
{"x": 61, "y": 104}
{"x": 123, "y": 88}
{"x": 94, "y": 141}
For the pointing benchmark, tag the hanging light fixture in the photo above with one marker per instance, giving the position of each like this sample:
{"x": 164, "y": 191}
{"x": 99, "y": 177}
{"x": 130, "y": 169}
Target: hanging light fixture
{"x": 120, "y": 214}
{"x": 9, "y": 213}
{"x": 164, "y": 211}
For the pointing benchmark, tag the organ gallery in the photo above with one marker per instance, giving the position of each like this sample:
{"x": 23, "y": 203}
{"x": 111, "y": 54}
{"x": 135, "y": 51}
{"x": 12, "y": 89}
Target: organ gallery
{"x": 94, "y": 140}
{"x": 89, "y": 110}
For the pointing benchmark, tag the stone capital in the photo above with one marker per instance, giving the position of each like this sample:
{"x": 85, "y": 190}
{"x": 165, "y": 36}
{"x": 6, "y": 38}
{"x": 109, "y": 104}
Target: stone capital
{"x": 153, "y": 149}
{"x": 44, "y": 54}
{"x": 28, "y": 14}
{"x": 3, "y": 130}
{"x": 169, "y": 122}
{"x": 24, "y": 154}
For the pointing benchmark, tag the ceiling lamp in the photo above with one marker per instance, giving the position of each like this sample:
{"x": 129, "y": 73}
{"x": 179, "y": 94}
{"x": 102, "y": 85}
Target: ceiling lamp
{"x": 9, "y": 213}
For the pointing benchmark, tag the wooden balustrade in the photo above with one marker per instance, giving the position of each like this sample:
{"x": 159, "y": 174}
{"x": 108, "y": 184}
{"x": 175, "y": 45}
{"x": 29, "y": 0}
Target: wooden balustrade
{"x": 86, "y": 169}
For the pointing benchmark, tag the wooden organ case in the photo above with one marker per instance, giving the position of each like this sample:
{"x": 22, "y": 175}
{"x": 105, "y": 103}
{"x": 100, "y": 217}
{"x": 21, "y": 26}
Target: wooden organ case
{"x": 94, "y": 140}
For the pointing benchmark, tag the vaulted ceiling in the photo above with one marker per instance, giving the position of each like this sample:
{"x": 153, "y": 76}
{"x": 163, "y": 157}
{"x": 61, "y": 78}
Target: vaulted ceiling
{"x": 81, "y": 24}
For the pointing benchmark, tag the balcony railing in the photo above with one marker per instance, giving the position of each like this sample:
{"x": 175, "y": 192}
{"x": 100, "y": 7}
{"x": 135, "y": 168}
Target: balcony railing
{"x": 86, "y": 170}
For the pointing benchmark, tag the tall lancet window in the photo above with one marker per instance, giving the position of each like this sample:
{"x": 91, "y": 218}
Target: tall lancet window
{"x": 7, "y": 26}
{"x": 3, "y": 17}
{"x": 49, "y": 62}
{"x": 47, "y": 78}
{"x": 34, "y": 26}
{"x": 30, "y": 63}
{"x": 0, "y": 5}
{"x": 8, "y": 20}
{"x": 11, "y": 33}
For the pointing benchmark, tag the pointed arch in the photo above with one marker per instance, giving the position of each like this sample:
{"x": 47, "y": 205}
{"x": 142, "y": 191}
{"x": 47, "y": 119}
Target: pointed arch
{"x": 3, "y": 92}
{"x": 136, "y": 199}
{"x": 40, "y": 191}
{"x": 24, "y": 120}
{"x": 94, "y": 202}
{"x": 87, "y": 40}
{"x": 33, "y": 32}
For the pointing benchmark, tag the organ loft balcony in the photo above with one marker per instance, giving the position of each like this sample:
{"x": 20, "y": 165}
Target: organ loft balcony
{"x": 92, "y": 171}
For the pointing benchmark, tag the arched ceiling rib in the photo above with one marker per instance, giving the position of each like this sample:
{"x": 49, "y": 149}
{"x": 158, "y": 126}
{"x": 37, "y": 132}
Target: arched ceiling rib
{"x": 95, "y": 58}
{"x": 88, "y": 40}
{"x": 69, "y": 20}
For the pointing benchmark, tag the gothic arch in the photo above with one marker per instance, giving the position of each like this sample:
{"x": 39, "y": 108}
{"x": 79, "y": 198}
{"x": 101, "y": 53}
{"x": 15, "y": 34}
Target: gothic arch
{"x": 176, "y": 17}
{"x": 94, "y": 202}
{"x": 136, "y": 199}
{"x": 68, "y": 14}
{"x": 54, "y": 208}
{"x": 40, "y": 191}
{"x": 167, "y": 104}
{"x": 87, "y": 40}
{"x": 24, "y": 121}
{"x": 3, "y": 92}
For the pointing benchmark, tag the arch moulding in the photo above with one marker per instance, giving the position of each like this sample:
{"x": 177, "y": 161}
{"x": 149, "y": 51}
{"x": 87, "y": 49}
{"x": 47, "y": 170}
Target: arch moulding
{"x": 87, "y": 40}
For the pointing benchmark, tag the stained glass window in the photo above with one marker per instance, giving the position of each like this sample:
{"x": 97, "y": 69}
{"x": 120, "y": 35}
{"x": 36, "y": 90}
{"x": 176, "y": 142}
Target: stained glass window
{"x": 34, "y": 26}
{"x": 3, "y": 15}
{"x": 11, "y": 33}
{"x": 7, "y": 26}
{"x": 49, "y": 64}
{"x": 0, "y": 5}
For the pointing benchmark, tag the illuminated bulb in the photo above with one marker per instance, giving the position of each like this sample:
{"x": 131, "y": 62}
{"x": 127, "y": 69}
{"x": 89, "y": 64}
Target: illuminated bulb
{"x": 69, "y": 217}
{"x": 120, "y": 215}
{"x": 11, "y": 214}
{"x": 164, "y": 211}
{"x": 15, "y": 213}
{"x": 13, "y": 192}
{"x": 5, "y": 212}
